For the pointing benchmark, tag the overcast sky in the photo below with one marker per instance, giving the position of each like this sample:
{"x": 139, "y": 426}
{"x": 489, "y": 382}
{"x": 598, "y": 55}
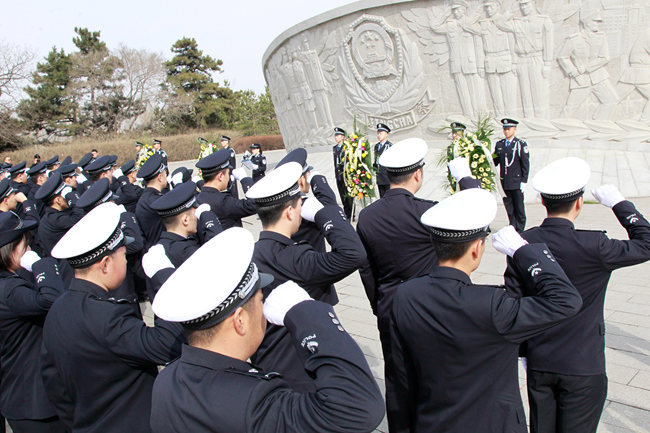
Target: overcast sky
{"x": 235, "y": 31}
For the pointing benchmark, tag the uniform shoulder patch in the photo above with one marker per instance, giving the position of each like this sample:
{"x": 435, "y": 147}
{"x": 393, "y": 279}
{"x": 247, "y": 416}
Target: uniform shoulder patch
{"x": 302, "y": 242}
{"x": 425, "y": 200}
{"x": 114, "y": 300}
{"x": 255, "y": 373}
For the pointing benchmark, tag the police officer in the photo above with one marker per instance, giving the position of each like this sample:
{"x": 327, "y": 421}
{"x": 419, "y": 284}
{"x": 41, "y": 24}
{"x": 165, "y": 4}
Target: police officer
{"x": 339, "y": 162}
{"x": 157, "y": 147}
{"x": 396, "y": 242}
{"x": 129, "y": 191}
{"x": 184, "y": 219}
{"x": 100, "y": 168}
{"x": 180, "y": 175}
{"x": 512, "y": 156}
{"x": 69, "y": 176}
{"x": 14, "y": 200}
{"x": 57, "y": 216}
{"x": 82, "y": 180}
{"x": 224, "y": 141}
{"x": 213, "y": 388}
{"x": 18, "y": 176}
{"x": 99, "y": 358}
{"x": 308, "y": 231}
{"x": 154, "y": 177}
{"x": 455, "y": 343}
{"x": 97, "y": 194}
{"x": 382, "y": 179}
{"x": 258, "y": 161}
{"x": 567, "y": 382}
{"x": 216, "y": 172}
{"x": 52, "y": 164}
{"x": 37, "y": 177}
{"x": 278, "y": 196}
{"x": 24, "y": 302}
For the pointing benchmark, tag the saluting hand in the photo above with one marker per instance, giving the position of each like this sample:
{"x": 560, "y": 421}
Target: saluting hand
{"x": 608, "y": 195}
{"x": 282, "y": 299}
{"x": 507, "y": 241}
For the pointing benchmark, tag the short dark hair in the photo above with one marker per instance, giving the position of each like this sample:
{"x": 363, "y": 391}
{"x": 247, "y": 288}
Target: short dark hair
{"x": 210, "y": 177}
{"x": 94, "y": 176}
{"x": 7, "y": 250}
{"x": 398, "y": 179}
{"x": 203, "y": 337}
{"x": 451, "y": 250}
{"x": 554, "y": 207}
{"x": 271, "y": 214}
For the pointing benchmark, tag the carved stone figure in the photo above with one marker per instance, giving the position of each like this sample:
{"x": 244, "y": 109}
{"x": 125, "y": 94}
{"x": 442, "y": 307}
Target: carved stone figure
{"x": 584, "y": 58}
{"x": 462, "y": 57}
{"x": 317, "y": 84}
{"x": 495, "y": 60}
{"x": 533, "y": 34}
{"x": 637, "y": 75}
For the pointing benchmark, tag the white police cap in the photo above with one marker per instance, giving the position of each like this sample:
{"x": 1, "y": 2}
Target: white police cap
{"x": 462, "y": 217}
{"x": 562, "y": 180}
{"x": 204, "y": 291}
{"x": 278, "y": 186}
{"x": 404, "y": 156}
{"x": 94, "y": 236}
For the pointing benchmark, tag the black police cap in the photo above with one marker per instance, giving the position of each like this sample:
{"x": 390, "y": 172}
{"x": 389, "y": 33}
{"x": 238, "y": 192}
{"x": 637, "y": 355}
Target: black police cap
{"x": 5, "y": 166}
{"x": 98, "y": 193}
{"x": 37, "y": 169}
{"x": 255, "y": 146}
{"x": 152, "y": 167}
{"x": 52, "y": 161}
{"x": 297, "y": 155}
{"x": 5, "y": 189}
{"x": 103, "y": 163}
{"x": 225, "y": 138}
{"x": 12, "y": 227}
{"x": 508, "y": 123}
{"x": 68, "y": 170}
{"x": 457, "y": 126}
{"x": 67, "y": 160}
{"x": 51, "y": 188}
{"x": 21, "y": 167}
{"x": 176, "y": 201}
{"x": 339, "y": 131}
{"x": 383, "y": 127}
{"x": 112, "y": 160}
{"x": 85, "y": 160}
{"x": 187, "y": 173}
{"x": 128, "y": 167}
{"x": 214, "y": 162}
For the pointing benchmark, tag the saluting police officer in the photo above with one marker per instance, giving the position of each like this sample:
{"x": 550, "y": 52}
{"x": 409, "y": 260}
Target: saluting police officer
{"x": 18, "y": 176}
{"x": 184, "y": 219}
{"x": 69, "y": 176}
{"x": 567, "y": 382}
{"x": 212, "y": 387}
{"x": 382, "y": 178}
{"x": 512, "y": 157}
{"x": 455, "y": 343}
{"x": 216, "y": 172}
{"x": 339, "y": 162}
{"x": 129, "y": 191}
{"x": 83, "y": 183}
{"x": 154, "y": 177}
{"x": 310, "y": 180}
{"x": 258, "y": 161}
{"x": 392, "y": 224}
{"x": 37, "y": 176}
{"x": 99, "y": 358}
{"x": 57, "y": 216}
{"x": 24, "y": 302}
{"x": 52, "y": 164}
{"x": 281, "y": 208}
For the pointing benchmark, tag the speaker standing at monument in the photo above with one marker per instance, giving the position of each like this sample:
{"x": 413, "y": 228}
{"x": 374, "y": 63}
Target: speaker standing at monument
{"x": 213, "y": 388}
{"x": 382, "y": 178}
{"x": 567, "y": 382}
{"x": 339, "y": 162}
{"x": 512, "y": 158}
{"x": 455, "y": 343}
{"x": 99, "y": 358}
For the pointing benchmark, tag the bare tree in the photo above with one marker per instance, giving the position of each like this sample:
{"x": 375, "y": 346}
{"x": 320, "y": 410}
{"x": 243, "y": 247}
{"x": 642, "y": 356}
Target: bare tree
{"x": 143, "y": 71}
{"x": 15, "y": 68}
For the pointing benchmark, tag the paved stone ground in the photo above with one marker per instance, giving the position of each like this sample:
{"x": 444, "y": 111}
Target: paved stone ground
{"x": 627, "y": 306}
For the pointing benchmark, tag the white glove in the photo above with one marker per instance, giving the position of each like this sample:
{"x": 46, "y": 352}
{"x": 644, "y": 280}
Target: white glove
{"x": 65, "y": 191}
{"x": 202, "y": 208}
{"x": 239, "y": 173}
{"x": 81, "y": 178}
{"x": 177, "y": 179}
{"x": 522, "y": 185}
{"x": 310, "y": 208}
{"x": 459, "y": 168}
{"x": 28, "y": 259}
{"x": 248, "y": 164}
{"x": 117, "y": 173}
{"x": 254, "y": 166}
{"x": 282, "y": 299}
{"x": 195, "y": 178}
{"x": 608, "y": 195}
{"x": 155, "y": 260}
{"x": 20, "y": 197}
{"x": 311, "y": 175}
{"x": 507, "y": 241}
{"x": 121, "y": 208}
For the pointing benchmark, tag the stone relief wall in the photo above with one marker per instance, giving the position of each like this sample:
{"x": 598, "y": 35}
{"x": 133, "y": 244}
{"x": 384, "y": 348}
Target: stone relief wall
{"x": 567, "y": 69}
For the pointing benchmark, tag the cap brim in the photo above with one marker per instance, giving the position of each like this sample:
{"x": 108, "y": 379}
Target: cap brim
{"x": 265, "y": 279}
{"x": 128, "y": 240}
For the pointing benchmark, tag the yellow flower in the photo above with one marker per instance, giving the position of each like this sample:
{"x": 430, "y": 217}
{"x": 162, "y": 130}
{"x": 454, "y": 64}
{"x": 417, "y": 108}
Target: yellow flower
{"x": 475, "y": 156}
{"x": 368, "y": 175}
{"x": 474, "y": 165}
{"x": 481, "y": 169}
{"x": 364, "y": 154}
{"x": 482, "y": 158}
